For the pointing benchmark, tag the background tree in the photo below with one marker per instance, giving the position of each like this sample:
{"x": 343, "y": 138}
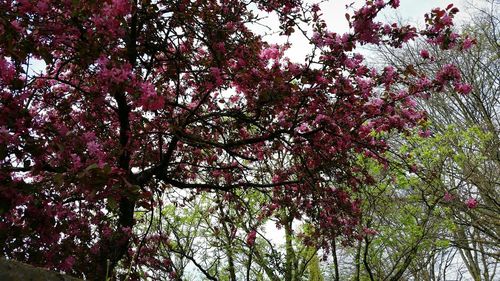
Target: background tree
{"x": 466, "y": 138}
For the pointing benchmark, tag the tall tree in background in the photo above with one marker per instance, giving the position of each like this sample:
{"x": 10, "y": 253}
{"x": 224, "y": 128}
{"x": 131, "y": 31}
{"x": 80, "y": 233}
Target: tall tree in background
{"x": 141, "y": 97}
{"x": 449, "y": 183}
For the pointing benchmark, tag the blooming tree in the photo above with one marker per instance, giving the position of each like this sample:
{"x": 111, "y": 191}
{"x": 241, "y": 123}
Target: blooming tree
{"x": 138, "y": 97}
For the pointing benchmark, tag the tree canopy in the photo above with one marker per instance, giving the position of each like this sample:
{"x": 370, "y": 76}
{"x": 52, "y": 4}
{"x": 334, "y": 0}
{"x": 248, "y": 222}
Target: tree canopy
{"x": 140, "y": 98}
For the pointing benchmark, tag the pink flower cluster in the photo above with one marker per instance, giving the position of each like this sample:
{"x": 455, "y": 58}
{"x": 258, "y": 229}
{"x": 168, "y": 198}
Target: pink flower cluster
{"x": 471, "y": 203}
{"x": 251, "y": 237}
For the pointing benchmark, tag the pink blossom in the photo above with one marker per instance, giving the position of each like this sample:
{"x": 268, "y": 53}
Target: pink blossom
{"x": 217, "y": 75}
{"x": 448, "y": 72}
{"x": 304, "y": 127}
{"x": 467, "y": 44}
{"x": 471, "y": 203}
{"x": 369, "y": 231}
{"x": 102, "y": 61}
{"x": 270, "y": 53}
{"x": 93, "y": 147}
{"x": 127, "y": 230}
{"x": 387, "y": 29}
{"x": 320, "y": 118}
{"x": 94, "y": 249}
{"x": 107, "y": 231}
{"x": 150, "y": 100}
{"x": 251, "y": 237}
{"x": 76, "y": 161}
{"x": 321, "y": 80}
{"x": 317, "y": 39}
{"x": 394, "y": 3}
{"x": 448, "y": 197}
{"x": 389, "y": 75}
{"x": 423, "y": 84}
{"x": 350, "y": 63}
{"x": 89, "y": 136}
{"x": 463, "y": 88}
{"x": 377, "y": 102}
{"x": 118, "y": 8}
{"x": 42, "y": 7}
{"x": 17, "y": 26}
{"x": 192, "y": 105}
{"x": 260, "y": 154}
{"x": 230, "y": 25}
{"x": 216, "y": 173}
{"x": 408, "y": 101}
{"x": 221, "y": 47}
{"x": 424, "y": 133}
{"x": 364, "y": 25}
{"x": 276, "y": 179}
{"x": 234, "y": 98}
{"x": 7, "y": 71}
{"x": 24, "y": 6}
{"x": 446, "y": 20}
{"x": 424, "y": 54}
{"x": 413, "y": 168}
{"x": 68, "y": 263}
